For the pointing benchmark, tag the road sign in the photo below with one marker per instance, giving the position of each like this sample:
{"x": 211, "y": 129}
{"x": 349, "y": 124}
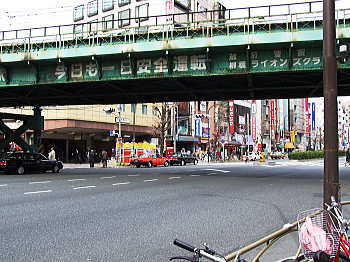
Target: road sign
{"x": 122, "y": 120}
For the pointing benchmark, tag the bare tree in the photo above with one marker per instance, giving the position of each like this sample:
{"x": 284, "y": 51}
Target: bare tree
{"x": 162, "y": 123}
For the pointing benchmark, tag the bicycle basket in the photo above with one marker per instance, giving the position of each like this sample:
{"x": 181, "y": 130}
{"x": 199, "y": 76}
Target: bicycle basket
{"x": 317, "y": 232}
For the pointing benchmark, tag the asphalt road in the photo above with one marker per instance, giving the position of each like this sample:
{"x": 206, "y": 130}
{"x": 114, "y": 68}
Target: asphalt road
{"x": 130, "y": 214}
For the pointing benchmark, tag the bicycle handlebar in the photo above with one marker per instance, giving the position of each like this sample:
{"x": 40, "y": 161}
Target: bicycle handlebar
{"x": 184, "y": 245}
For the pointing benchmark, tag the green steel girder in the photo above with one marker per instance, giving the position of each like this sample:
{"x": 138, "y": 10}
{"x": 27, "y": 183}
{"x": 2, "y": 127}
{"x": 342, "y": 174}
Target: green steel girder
{"x": 35, "y": 123}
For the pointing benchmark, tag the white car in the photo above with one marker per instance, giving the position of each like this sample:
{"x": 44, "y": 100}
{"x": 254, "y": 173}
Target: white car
{"x": 252, "y": 156}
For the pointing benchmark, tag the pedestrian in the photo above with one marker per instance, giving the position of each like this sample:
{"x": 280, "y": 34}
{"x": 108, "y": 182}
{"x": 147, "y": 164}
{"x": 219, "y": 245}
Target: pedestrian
{"x": 104, "y": 156}
{"x": 91, "y": 157}
{"x": 347, "y": 155}
{"x": 52, "y": 154}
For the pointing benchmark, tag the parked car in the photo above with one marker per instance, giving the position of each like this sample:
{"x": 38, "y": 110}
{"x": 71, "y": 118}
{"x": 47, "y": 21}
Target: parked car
{"x": 21, "y": 163}
{"x": 253, "y": 156}
{"x": 150, "y": 160}
{"x": 183, "y": 159}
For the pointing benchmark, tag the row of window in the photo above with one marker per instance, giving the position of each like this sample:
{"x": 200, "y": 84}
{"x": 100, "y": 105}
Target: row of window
{"x": 133, "y": 109}
{"x": 107, "y": 5}
{"x": 108, "y": 22}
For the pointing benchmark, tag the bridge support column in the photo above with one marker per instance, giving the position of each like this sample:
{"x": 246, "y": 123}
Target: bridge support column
{"x": 38, "y": 128}
{"x": 35, "y": 123}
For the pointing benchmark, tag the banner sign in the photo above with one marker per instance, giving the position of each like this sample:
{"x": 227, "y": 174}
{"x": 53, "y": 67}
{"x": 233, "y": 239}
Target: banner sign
{"x": 254, "y": 120}
{"x": 313, "y": 116}
{"x": 307, "y": 116}
{"x": 232, "y": 116}
{"x": 272, "y": 114}
{"x": 198, "y": 127}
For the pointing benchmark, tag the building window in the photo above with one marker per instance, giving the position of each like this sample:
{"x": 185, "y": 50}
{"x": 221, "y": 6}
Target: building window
{"x": 124, "y": 17}
{"x": 133, "y": 108}
{"x": 144, "y": 109}
{"x": 122, "y": 107}
{"x": 92, "y": 8}
{"x": 93, "y": 25}
{"x": 107, "y": 5}
{"x": 78, "y": 29}
{"x": 78, "y": 13}
{"x": 108, "y": 22}
{"x": 123, "y": 2}
{"x": 142, "y": 12}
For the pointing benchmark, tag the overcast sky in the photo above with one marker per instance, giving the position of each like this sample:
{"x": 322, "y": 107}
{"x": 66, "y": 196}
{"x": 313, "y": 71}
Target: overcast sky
{"x": 15, "y": 14}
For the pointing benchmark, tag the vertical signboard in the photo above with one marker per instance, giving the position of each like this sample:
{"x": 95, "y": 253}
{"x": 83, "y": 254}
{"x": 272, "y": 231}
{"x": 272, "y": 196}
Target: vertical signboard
{"x": 198, "y": 127}
{"x": 272, "y": 114}
{"x": 313, "y": 116}
{"x": 307, "y": 116}
{"x": 254, "y": 120}
{"x": 169, "y": 10}
{"x": 232, "y": 116}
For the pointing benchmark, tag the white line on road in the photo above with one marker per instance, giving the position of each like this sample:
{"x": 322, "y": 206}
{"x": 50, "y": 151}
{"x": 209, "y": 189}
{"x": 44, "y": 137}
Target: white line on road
{"x": 39, "y": 182}
{"x": 124, "y": 183}
{"x": 106, "y": 177}
{"x": 79, "y": 179}
{"x": 174, "y": 177}
{"x": 150, "y": 180}
{"x": 195, "y": 175}
{"x": 3, "y": 185}
{"x": 133, "y": 175}
{"x": 83, "y": 187}
{"x": 218, "y": 170}
{"x": 211, "y": 174}
{"x": 38, "y": 192}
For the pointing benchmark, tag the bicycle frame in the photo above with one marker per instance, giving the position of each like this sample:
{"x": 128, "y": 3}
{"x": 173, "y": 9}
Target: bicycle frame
{"x": 272, "y": 239}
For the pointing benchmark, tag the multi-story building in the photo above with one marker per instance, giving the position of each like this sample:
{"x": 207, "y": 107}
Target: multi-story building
{"x": 80, "y": 127}
{"x": 138, "y": 13}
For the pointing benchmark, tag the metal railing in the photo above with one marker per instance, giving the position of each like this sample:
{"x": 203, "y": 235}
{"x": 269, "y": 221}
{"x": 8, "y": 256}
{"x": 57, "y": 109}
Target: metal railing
{"x": 286, "y": 17}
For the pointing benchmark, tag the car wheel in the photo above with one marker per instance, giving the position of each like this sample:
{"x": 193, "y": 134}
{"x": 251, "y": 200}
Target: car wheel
{"x": 195, "y": 162}
{"x": 20, "y": 170}
{"x": 166, "y": 164}
{"x": 183, "y": 162}
{"x": 55, "y": 169}
{"x": 149, "y": 164}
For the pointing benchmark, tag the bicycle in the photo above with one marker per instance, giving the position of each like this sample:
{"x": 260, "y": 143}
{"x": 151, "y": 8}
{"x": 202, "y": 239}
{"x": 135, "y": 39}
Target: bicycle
{"x": 323, "y": 234}
{"x": 214, "y": 256}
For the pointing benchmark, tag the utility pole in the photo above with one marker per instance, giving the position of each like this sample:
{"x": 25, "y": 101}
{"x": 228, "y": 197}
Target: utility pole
{"x": 331, "y": 185}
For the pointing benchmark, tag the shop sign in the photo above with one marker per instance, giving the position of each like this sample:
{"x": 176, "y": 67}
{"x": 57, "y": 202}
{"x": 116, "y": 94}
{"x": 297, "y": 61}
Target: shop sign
{"x": 232, "y": 116}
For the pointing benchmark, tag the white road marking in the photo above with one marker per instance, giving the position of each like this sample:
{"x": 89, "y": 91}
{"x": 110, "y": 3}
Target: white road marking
{"x": 39, "y": 182}
{"x": 37, "y": 192}
{"x": 218, "y": 170}
{"x": 83, "y": 187}
{"x": 195, "y": 175}
{"x": 79, "y": 179}
{"x": 106, "y": 177}
{"x": 3, "y": 185}
{"x": 133, "y": 175}
{"x": 174, "y": 177}
{"x": 150, "y": 180}
{"x": 211, "y": 174}
{"x": 124, "y": 183}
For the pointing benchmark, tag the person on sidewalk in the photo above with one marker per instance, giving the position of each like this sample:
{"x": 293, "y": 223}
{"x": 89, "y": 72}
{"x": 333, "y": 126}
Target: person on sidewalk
{"x": 347, "y": 156}
{"x": 104, "y": 156}
{"x": 52, "y": 154}
{"x": 91, "y": 157}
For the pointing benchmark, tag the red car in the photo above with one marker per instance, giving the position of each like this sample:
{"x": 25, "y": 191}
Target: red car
{"x": 150, "y": 160}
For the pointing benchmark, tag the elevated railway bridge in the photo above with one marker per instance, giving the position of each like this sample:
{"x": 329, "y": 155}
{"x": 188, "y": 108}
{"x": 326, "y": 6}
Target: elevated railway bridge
{"x": 256, "y": 52}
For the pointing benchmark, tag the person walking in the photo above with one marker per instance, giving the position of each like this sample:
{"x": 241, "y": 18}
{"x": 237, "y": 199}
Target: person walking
{"x": 104, "y": 156}
{"x": 52, "y": 154}
{"x": 347, "y": 156}
{"x": 91, "y": 157}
